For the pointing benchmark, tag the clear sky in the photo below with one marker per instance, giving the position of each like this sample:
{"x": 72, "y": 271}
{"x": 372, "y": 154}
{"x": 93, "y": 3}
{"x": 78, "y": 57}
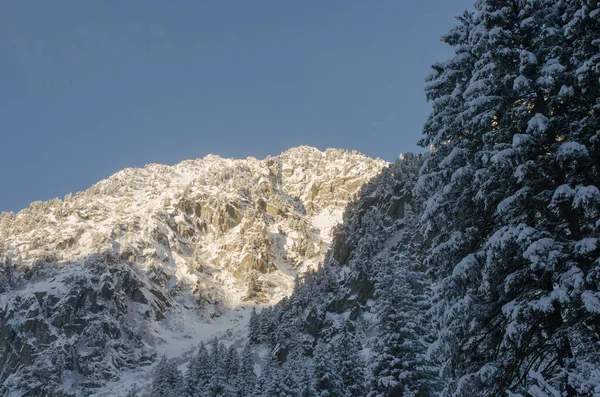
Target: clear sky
{"x": 90, "y": 87}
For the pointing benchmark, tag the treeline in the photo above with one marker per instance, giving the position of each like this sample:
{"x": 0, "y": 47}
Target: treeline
{"x": 213, "y": 371}
{"x": 217, "y": 371}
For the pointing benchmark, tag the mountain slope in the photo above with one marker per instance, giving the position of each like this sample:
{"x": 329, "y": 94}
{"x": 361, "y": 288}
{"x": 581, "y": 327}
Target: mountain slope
{"x": 490, "y": 284}
{"x": 370, "y": 295}
{"x": 98, "y": 282}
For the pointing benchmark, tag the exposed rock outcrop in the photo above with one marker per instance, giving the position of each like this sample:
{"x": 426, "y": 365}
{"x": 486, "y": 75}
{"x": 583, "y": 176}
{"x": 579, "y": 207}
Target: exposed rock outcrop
{"x": 92, "y": 284}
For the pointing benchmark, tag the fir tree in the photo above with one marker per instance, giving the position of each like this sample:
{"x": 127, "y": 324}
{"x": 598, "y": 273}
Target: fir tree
{"x": 348, "y": 363}
{"x": 246, "y": 377}
{"x": 278, "y": 381}
{"x": 198, "y": 372}
{"x": 167, "y": 380}
{"x": 267, "y": 325}
{"x": 401, "y": 365}
{"x": 254, "y": 327}
{"x": 217, "y": 383}
{"x": 327, "y": 381}
{"x": 231, "y": 363}
{"x": 306, "y": 384}
{"x": 510, "y": 194}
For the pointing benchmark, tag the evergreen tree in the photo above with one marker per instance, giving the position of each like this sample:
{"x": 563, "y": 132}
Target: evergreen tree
{"x": 231, "y": 367}
{"x": 259, "y": 387}
{"x": 327, "y": 381}
{"x": 306, "y": 384}
{"x": 485, "y": 272}
{"x": 267, "y": 325}
{"x": 167, "y": 380}
{"x": 254, "y": 327}
{"x": 253, "y": 285}
{"x": 231, "y": 363}
{"x": 278, "y": 381}
{"x": 511, "y": 197}
{"x": 198, "y": 373}
{"x": 246, "y": 377}
{"x": 401, "y": 366}
{"x": 217, "y": 383}
{"x": 133, "y": 391}
{"x": 348, "y": 363}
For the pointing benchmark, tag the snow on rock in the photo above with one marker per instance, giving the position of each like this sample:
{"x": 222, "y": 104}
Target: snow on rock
{"x": 153, "y": 260}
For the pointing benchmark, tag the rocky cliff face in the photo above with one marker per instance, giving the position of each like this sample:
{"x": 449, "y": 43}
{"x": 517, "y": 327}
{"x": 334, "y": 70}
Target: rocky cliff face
{"x": 98, "y": 282}
{"x": 380, "y": 223}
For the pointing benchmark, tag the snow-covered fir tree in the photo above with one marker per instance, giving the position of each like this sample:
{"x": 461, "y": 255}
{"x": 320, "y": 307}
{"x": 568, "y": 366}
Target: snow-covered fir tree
{"x": 511, "y": 200}
{"x": 246, "y": 377}
{"x": 400, "y": 365}
{"x": 198, "y": 373}
{"x": 168, "y": 381}
{"x": 328, "y": 382}
{"x": 348, "y": 363}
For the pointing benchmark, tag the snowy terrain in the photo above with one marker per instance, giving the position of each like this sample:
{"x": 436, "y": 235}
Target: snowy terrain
{"x": 151, "y": 261}
{"x": 179, "y": 346}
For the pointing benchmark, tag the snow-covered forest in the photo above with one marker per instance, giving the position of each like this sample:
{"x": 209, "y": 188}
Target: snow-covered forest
{"x": 470, "y": 270}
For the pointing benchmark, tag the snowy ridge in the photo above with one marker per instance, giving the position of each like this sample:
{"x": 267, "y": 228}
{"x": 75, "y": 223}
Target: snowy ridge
{"x": 150, "y": 256}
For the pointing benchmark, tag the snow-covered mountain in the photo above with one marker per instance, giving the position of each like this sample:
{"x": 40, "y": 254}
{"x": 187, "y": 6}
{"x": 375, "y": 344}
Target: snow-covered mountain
{"x": 105, "y": 280}
{"x": 471, "y": 270}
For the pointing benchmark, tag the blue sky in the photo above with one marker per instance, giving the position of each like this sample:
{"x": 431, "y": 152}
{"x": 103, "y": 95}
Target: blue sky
{"x": 89, "y": 88}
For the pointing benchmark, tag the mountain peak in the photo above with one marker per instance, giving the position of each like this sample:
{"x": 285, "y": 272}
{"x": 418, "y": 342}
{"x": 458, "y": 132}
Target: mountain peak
{"x": 145, "y": 257}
